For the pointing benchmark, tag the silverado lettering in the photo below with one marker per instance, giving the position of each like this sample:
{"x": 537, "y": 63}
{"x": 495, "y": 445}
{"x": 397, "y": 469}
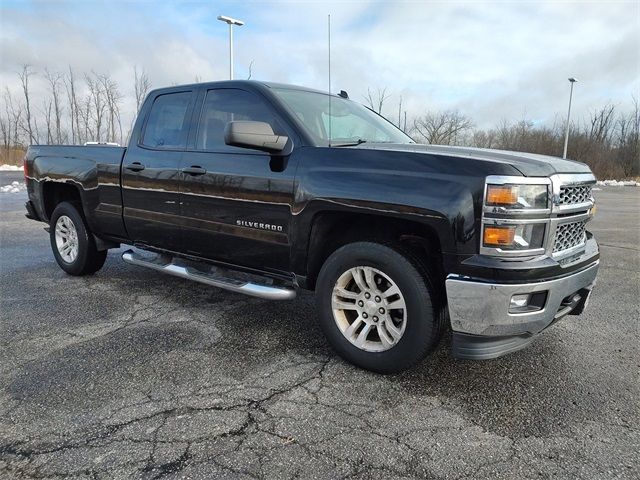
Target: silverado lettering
{"x": 263, "y": 226}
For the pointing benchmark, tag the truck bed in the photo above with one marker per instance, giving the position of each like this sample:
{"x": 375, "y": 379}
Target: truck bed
{"x": 95, "y": 169}
{"x": 60, "y": 156}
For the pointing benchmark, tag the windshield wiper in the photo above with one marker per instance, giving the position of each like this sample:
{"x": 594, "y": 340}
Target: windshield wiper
{"x": 350, "y": 144}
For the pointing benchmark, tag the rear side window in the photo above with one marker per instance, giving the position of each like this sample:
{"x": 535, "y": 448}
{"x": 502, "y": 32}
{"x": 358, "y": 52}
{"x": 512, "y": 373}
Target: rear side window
{"x": 167, "y": 126}
{"x": 227, "y": 105}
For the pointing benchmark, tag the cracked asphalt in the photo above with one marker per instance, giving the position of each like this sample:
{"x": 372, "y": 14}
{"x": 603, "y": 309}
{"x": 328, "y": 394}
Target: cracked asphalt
{"x": 133, "y": 374}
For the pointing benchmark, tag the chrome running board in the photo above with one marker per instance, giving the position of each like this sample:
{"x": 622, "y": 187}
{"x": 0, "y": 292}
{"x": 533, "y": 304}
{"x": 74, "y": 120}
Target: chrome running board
{"x": 167, "y": 264}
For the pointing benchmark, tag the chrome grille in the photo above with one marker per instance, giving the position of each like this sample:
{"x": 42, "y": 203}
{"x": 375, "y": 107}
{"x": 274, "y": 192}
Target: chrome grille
{"x": 573, "y": 194}
{"x": 569, "y": 235}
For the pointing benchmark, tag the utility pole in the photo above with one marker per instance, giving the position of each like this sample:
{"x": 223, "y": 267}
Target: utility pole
{"x": 572, "y": 80}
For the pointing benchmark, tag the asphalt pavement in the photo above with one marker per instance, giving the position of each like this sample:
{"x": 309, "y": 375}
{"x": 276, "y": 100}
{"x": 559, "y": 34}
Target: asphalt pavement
{"x": 133, "y": 374}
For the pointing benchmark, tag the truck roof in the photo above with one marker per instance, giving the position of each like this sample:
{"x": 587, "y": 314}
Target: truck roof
{"x": 238, "y": 83}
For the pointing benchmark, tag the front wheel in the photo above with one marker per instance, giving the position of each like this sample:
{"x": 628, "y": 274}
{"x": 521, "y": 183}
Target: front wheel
{"x": 375, "y": 306}
{"x": 73, "y": 245}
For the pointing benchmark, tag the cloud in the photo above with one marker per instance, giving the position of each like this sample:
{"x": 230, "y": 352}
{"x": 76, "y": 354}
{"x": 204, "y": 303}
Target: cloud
{"x": 488, "y": 60}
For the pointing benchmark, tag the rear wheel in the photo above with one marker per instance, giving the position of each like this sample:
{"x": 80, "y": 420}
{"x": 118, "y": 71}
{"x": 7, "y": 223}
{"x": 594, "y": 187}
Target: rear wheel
{"x": 375, "y": 307}
{"x": 73, "y": 245}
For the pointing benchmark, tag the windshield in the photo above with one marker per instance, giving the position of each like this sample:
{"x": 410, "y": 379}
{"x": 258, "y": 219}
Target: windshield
{"x": 349, "y": 122}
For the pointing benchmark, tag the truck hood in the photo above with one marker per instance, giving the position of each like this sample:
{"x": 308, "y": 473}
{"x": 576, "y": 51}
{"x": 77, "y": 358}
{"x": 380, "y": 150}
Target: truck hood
{"x": 529, "y": 164}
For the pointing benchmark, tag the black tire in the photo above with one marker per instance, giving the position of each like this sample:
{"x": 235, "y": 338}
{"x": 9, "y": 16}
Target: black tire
{"x": 89, "y": 259}
{"x": 424, "y": 321}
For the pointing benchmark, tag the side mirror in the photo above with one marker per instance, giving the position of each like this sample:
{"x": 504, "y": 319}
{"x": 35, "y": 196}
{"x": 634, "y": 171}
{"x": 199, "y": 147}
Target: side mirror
{"x": 257, "y": 135}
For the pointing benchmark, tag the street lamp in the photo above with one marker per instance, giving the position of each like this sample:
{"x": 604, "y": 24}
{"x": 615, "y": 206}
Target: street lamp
{"x": 566, "y": 133}
{"x": 231, "y": 22}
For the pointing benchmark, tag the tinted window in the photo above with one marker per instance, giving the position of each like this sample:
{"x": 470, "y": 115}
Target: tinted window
{"x": 167, "y": 126}
{"x": 227, "y": 105}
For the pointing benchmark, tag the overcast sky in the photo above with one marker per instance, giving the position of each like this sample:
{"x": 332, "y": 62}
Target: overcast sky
{"x": 489, "y": 60}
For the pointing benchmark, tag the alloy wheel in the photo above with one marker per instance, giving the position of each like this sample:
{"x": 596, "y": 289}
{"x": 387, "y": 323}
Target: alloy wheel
{"x": 66, "y": 239}
{"x": 369, "y": 309}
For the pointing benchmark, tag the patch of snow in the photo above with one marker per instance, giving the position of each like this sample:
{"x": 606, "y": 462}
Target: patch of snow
{"x": 15, "y": 187}
{"x": 9, "y": 168}
{"x": 596, "y": 189}
{"x": 618, "y": 183}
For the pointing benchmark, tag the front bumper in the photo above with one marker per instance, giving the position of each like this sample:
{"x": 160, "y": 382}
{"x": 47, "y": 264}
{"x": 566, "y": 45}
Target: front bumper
{"x": 484, "y": 328}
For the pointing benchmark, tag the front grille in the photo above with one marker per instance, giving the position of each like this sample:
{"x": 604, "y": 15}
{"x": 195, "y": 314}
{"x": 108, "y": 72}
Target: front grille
{"x": 569, "y": 235}
{"x": 573, "y": 194}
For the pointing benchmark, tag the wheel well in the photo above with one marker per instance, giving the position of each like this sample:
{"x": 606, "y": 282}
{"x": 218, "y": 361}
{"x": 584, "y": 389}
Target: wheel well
{"x": 54, "y": 193}
{"x": 331, "y": 231}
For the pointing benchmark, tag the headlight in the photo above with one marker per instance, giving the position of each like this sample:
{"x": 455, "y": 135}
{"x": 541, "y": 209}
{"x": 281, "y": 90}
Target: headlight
{"x": 525, "y": 236}
{"x": 515, "y": 216}
{"x": 517, "y": 196}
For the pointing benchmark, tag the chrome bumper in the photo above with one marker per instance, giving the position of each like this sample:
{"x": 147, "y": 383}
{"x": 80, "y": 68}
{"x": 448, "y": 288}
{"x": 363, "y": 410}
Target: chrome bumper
{"x": 479, "y": 308}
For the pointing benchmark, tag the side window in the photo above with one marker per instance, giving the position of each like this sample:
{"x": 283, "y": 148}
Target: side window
{"x": 226, "y": 105}
{"x": 167, "y": 125}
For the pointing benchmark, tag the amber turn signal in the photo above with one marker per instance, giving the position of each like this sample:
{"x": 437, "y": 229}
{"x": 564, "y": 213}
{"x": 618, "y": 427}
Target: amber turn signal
{"x": 502, "y": 195}
{"x": 498, "y": 236}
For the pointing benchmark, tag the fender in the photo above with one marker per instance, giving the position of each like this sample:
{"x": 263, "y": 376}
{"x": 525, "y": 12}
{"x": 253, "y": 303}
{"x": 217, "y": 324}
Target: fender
{"x": 425, "y": 189}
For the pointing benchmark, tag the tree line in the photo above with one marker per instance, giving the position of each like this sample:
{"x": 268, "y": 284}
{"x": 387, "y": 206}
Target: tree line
{"x": 72, "y": 108}
{"x": 608, "y": 140}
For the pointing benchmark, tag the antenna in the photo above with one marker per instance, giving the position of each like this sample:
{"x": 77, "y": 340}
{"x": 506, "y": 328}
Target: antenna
{"x": 329, "y": 38}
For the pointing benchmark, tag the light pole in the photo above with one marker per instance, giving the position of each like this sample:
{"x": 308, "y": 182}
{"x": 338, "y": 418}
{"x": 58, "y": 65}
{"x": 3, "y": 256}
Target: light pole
{"x": 566, "y": 133}
{"x": 231, "y": 22}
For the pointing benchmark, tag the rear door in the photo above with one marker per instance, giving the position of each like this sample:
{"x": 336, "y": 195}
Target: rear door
{"x": 236, "y": 202}
{"x": 150, "y": 171}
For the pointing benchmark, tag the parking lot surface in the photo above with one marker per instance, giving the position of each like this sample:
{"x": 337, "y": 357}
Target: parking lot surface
{"x": 133, "y": 374}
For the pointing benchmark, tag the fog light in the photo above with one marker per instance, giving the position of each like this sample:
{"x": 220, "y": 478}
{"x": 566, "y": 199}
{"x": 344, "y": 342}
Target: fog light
{"x": 519, "y": 301}
{"x": 527, "y": 302}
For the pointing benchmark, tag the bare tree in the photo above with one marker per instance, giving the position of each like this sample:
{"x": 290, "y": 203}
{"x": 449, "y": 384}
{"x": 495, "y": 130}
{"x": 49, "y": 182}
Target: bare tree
{"x": 375, "y": 100}
{"x": 13, "y": 120}
{"x": 141, "y": 86}
{"x": 29, "y": 126}
{"x": 628, "y": 140}
{"x": 86, "y": 127}
{"x": 6, "y": 133}
{"x": 96, "y": 105}
{"x": 5, "y": 128}
{"x": 442, "y": 128}
{"x": 54, "y": 80}
{"x": 483, "y": 139}
{"x": 5, "y": 123}
{"x": 74, "y": 108}
{"x": 112, "y": 98}
{"x": 47, "y": 106}
{"x": 601, "y": 125}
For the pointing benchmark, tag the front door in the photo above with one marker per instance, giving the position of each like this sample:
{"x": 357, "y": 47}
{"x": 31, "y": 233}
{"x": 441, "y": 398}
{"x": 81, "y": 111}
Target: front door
{"x": 151, "y": 172}
{"x": 236, "y": 202}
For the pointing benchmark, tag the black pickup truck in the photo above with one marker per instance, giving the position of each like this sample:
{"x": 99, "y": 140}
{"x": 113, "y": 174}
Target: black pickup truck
{"x": 266, "y": 188}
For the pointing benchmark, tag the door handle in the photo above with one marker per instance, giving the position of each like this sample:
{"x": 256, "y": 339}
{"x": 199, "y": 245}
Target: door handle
{"x": 194, "y": 170}
{"x": 135, "y": 166}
